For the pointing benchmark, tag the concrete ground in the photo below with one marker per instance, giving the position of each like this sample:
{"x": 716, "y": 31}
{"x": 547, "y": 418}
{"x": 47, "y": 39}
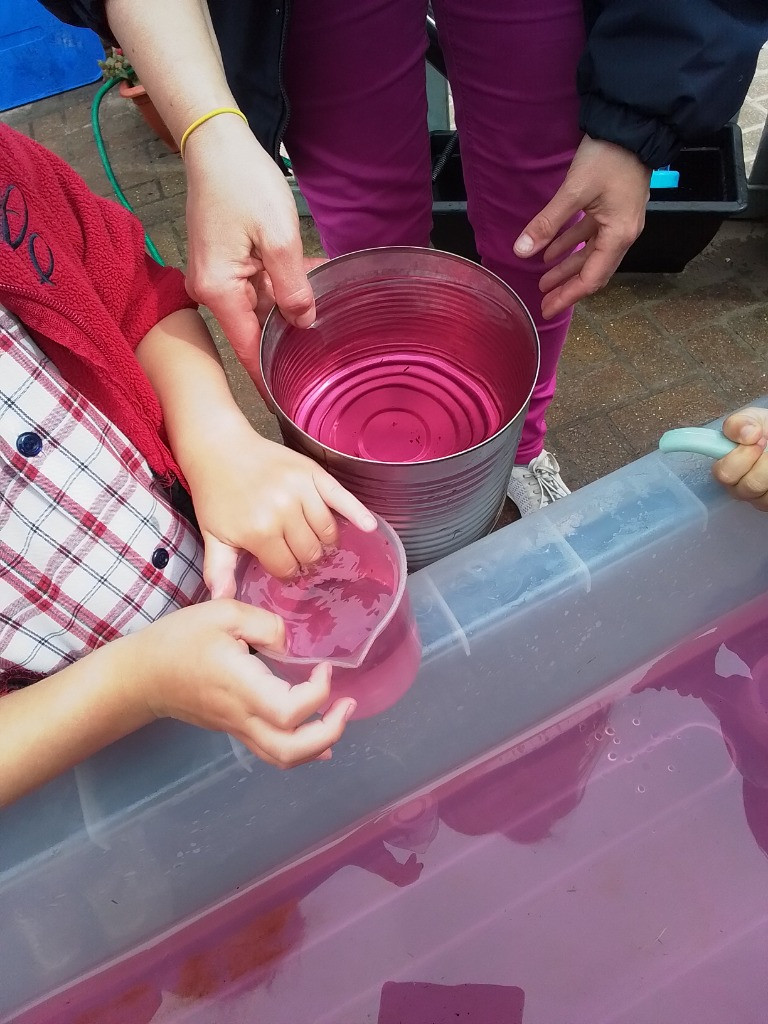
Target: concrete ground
{"x": 649, "y": 352}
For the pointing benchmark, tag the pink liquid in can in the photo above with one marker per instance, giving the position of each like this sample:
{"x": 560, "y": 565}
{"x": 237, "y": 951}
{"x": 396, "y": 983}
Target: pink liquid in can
{"x": 400, "y": 406}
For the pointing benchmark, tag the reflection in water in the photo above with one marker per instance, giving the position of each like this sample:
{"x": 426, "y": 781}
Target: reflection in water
{"x": 727, "y": 669}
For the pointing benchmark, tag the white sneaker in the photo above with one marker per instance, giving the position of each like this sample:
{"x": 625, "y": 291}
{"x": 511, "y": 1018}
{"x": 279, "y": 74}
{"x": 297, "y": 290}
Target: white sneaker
{"x": 536, "y": 485}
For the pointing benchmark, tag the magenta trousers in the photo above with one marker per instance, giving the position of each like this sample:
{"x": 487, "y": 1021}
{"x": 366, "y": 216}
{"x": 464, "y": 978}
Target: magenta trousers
{"x": 359, "y": 144}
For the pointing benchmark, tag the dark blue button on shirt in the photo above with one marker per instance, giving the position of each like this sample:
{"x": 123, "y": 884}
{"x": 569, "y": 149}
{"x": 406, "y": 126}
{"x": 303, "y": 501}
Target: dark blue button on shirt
{"x": 160, "y": 558}
{"x": 29, "y": 444}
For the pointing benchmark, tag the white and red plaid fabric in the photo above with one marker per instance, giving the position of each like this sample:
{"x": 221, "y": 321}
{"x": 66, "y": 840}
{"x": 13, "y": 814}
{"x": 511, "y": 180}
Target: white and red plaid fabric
{"x": 90, "y": 547}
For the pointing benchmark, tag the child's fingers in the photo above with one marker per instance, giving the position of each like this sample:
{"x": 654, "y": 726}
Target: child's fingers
{"x": 320, "y": 518}
{"x": 262, "y": 754}
{"x": 341, "y": 501}
{"x": 276, "y": 557}
{"x": 733, "y": 467}
{"x": 753, "y": 486}
{"x": 259, "y": 628}
{"x": 219, "y": 567}
{"x": 306, "y": 742}
{"x": 747, "y": 427}
{"x": 282, "y": 706}
{"x": 305, "y": 545}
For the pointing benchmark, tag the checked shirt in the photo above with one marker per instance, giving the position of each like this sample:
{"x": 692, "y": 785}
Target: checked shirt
{"x": 90, "y": 547}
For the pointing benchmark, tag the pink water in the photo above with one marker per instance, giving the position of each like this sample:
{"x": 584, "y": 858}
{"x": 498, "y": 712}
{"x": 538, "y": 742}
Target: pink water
{"x": 330, "y": 610}
{"x": 400, "y": 406}
{"x": 609, "y": 868}
{"x": 337, "y": 611}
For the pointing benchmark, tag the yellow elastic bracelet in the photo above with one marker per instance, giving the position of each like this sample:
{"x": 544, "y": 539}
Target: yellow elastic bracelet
{"x": 207, "y": 117}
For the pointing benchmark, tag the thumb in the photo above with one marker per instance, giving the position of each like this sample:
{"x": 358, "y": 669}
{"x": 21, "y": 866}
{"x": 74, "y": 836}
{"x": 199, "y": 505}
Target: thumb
{"x": 219, "y": 567}
{"x": 293, "y": 292}
{"x": 748, "y": 427}
{"x": 261, "y": 629}
{"x": 539, "y": 232}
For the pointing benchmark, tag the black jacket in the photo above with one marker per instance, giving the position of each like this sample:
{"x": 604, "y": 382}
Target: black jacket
{"x": 655, "y": 74}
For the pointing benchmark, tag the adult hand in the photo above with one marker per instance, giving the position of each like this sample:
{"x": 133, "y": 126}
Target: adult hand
{"x": 265, "y": 302}
{"x": 194, "y": 665}
{"x": 744, "y": 471}
{"x": 262, "y": 497}
{"x": 610, "y": 185}
{"x": 265, "y": 292}
{"x": 242, "y": 224}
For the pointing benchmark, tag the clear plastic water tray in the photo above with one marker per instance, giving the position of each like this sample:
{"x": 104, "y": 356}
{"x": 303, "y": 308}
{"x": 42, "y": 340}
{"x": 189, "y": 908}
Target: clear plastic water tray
{"x": 562, "y": 819}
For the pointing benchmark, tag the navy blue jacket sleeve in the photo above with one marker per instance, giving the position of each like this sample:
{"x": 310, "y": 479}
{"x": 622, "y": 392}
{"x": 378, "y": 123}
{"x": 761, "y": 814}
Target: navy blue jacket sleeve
{"x": 83, "y": 13}
{"x": 657, "y": 74}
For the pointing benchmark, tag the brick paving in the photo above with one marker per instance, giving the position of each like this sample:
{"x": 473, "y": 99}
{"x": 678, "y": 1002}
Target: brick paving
{"x": 648, "y": 352}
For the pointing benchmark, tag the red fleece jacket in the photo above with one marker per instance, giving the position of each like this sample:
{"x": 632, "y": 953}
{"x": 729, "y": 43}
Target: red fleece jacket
{"x": 74, "y": 270}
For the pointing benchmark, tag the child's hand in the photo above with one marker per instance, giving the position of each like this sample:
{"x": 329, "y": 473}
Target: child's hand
{"x": 262, "y": 497}
{"x": 744, "y": 471}
{"x": 194, "y": 665}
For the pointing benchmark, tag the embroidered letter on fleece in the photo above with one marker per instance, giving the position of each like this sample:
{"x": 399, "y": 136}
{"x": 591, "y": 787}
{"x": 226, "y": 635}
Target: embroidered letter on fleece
{"x": 14, "y": 231}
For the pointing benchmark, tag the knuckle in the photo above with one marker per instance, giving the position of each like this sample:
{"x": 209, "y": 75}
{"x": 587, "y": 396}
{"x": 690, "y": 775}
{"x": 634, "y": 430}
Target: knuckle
{"x": 284, "y": 718}
{"x": 313, "y": 554}
{"x": 284, "y": 759}
{"x": 543, "y": 225}
{"x": 283, "y": 569}
{"x": 629, "y": 233}
{"x": 725, "y": 476}
{"x": 752, "y": 489}
{"x": 205, "y": 285}
{"x": 265, "y": 527}
{"x": 329, "y": 530}
{"x": 281, "y": 243}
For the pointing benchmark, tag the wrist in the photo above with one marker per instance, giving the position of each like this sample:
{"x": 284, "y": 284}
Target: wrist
{"x": 203, "y": 119}
{"x": 132, "y": 668}
{"x": 215, "y": 134}
{"x": 141, "y": 669}
{"x": 209, "y": 443}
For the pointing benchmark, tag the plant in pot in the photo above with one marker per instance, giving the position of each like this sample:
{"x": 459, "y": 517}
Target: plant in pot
{"x": 116, "y": 66}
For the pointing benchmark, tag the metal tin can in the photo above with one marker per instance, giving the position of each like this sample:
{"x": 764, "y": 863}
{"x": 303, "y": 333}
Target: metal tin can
{"x": 410, "y": 388}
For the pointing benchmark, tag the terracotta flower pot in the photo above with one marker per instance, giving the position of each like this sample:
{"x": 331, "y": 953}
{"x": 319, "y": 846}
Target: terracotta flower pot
{"x": 147, "y": 109}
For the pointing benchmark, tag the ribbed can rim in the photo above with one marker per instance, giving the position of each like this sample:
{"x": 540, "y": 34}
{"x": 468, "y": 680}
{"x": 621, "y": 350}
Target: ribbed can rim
{"x": 430, "y": 254}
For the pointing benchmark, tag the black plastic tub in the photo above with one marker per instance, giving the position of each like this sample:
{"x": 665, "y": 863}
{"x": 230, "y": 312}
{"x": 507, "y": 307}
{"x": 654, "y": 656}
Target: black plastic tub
{"x": 679, "y": 222}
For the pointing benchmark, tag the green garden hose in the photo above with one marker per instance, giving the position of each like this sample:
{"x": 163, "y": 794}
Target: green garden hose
{"x": 103, "y": 90}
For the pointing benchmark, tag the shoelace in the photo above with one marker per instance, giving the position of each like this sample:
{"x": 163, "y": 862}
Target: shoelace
{"x": 551, "y": 486}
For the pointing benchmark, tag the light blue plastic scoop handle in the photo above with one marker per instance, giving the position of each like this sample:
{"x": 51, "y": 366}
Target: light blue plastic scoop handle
{"x": 700, "y": 440}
